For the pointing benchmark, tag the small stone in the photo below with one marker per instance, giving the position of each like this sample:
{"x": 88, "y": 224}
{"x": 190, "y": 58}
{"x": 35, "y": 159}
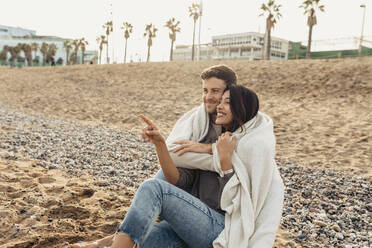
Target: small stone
{"x": 301, "y": 236}
{"x": 320, "y": 223}
{"x": 146, "y": 164}
{"x": 339, "y": 236}
{"x": 369, "y": 207}
{"x": 322, "y": 215}
{"x": 352, "y": 236}
{"x": 337, "y": 228}
{"x": 290, "y": 244}
{"x": 314, "y": 210}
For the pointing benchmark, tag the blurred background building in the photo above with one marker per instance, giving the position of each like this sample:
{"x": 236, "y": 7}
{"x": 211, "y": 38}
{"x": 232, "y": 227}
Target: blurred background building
{"x": 249, "y": 46}
{"x": 12, "y": 36}
{"x": 235, "y": 46}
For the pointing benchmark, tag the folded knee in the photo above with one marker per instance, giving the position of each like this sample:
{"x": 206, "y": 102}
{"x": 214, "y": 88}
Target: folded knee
{"x": 151, "y": 184}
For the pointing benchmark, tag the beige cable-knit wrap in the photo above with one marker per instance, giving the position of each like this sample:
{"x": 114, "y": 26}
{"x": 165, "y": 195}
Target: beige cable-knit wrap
{"x": 253, "y": 197}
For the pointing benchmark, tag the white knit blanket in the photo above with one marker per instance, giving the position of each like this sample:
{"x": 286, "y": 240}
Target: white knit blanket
{"x": 253, "y": 197}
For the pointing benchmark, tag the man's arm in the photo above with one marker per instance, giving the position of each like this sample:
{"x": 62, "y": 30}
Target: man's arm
{"x": 192, "y": 160}
{"x": 191, "y": 146}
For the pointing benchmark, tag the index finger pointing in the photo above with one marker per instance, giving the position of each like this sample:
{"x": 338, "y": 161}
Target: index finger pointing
{"x": 147, "y": 120}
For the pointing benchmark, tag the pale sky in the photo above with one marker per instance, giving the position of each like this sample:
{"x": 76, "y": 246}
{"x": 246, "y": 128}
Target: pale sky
{"x": 84, "y": 18}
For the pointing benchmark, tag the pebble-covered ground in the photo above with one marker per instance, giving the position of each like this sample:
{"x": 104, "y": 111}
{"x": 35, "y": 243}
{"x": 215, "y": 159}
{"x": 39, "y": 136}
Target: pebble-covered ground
{"x": 120, "y": 158}
{"x": 323, "y": 208}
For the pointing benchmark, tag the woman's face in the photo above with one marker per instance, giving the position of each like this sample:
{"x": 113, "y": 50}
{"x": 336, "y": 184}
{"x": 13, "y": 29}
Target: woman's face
{"x": 224, "y": 114}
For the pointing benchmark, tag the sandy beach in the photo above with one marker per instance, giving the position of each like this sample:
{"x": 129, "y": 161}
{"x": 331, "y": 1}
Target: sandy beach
{"x": 71, "y": 157}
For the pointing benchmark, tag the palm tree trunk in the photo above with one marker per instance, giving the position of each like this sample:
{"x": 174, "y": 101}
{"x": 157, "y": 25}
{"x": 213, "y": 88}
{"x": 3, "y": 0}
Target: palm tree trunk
{"x": 171, "y": 51}
{"x": 107, "y": 58}
{"x": 26, "y": 61}
{"x": 29, "y": 59}
{"x": 82, "y": 57}
{"x": 308, "y": 49}
{"x": 34, "y": 56}
{"x": 125, "y": 51}
{"x": 268, "y": 45}
{"x": 100, "y": 56}
{"x": 44, "y": 59}
{"x": 193, "y": 42}
{"x": 148, "y": 53}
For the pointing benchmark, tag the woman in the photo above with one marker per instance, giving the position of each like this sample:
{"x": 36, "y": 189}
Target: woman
{"x": 186, "y": 220}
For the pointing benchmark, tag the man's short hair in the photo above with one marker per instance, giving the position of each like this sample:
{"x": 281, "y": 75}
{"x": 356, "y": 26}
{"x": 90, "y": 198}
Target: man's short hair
{"x": 222, "y": 72}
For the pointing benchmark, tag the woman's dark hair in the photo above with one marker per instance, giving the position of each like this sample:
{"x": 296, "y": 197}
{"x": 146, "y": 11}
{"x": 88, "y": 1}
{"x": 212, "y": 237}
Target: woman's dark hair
{"x": 244, "y": 106}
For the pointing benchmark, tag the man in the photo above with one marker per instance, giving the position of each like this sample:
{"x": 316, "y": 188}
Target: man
{"x": 215, "y": 79}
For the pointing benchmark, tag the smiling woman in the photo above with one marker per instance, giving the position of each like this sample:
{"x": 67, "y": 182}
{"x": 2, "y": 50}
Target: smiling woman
{"x": 239, "y": 105}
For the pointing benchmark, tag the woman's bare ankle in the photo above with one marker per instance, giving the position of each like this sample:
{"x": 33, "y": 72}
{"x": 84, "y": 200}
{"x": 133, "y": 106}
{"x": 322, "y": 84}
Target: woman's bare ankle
{"x": 106, "y": 241}
{"x": 122, "y": 240}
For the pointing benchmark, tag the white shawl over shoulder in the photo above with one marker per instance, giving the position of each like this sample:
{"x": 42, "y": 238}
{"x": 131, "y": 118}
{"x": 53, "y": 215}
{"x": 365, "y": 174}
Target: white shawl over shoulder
{"x": 253, "y": 197}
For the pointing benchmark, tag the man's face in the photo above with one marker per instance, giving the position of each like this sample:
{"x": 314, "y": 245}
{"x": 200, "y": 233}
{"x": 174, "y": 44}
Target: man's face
{"x": 212, "y": 93}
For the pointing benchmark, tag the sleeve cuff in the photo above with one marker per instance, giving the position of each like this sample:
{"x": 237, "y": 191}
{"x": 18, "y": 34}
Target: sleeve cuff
{"x": 226, "y": 172}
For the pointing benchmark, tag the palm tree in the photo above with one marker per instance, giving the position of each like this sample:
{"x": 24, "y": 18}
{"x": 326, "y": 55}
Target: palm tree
{"x": 128, "y": 29}
{"x": 27, "y": 50}
{"x": 76, "y": 44}
{"x": 273, "y": 15}
{"x": 173, "y": 27}
{"x": 194, "y": 11}
{"x": 44, "y": 51}
{"x": 34, "y": 47}
{"x": 83, "y": 44}
{"x": 52, "y": 50}
{"x": 310, "y": 6}
{"x": 109, "y": 27}
{"x": 101, "y": 40}
{"x": 4, "y": 54}
{"x": 23, "y": 49}
{"x": 150, "y": 33}
{"x": 67, "y": 45}
{"x": 14, "y": 53}
{"x": 29, "y": 54}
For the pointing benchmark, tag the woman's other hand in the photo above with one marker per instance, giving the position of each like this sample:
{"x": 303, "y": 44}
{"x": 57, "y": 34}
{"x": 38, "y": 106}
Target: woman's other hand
{"x": 151, "y": 133}
{"x": 225, "y": 148}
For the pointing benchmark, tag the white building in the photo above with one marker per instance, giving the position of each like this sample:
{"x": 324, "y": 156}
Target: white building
{"x": 12, "y": 36}
{"x": 247, "y": 46}
{"x": 236, "y": 46}
{"x": 184, "y": 52}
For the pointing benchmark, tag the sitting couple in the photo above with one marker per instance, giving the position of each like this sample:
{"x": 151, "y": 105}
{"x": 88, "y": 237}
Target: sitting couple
{"x": 218, "y": 185}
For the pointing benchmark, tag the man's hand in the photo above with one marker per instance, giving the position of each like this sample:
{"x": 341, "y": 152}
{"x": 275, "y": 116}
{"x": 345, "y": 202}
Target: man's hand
{"x": 191, "y": 146}
{"x": 151, "y": 133}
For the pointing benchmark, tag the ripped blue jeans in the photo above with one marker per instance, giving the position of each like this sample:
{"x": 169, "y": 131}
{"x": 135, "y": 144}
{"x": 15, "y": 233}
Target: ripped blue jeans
{"x": 186, "y": 221}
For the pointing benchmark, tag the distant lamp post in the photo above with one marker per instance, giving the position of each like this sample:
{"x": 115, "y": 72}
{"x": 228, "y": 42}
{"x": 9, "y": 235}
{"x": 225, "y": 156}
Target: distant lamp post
{"x": 199, "y": 47}
{"x": 361, "y": 36}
